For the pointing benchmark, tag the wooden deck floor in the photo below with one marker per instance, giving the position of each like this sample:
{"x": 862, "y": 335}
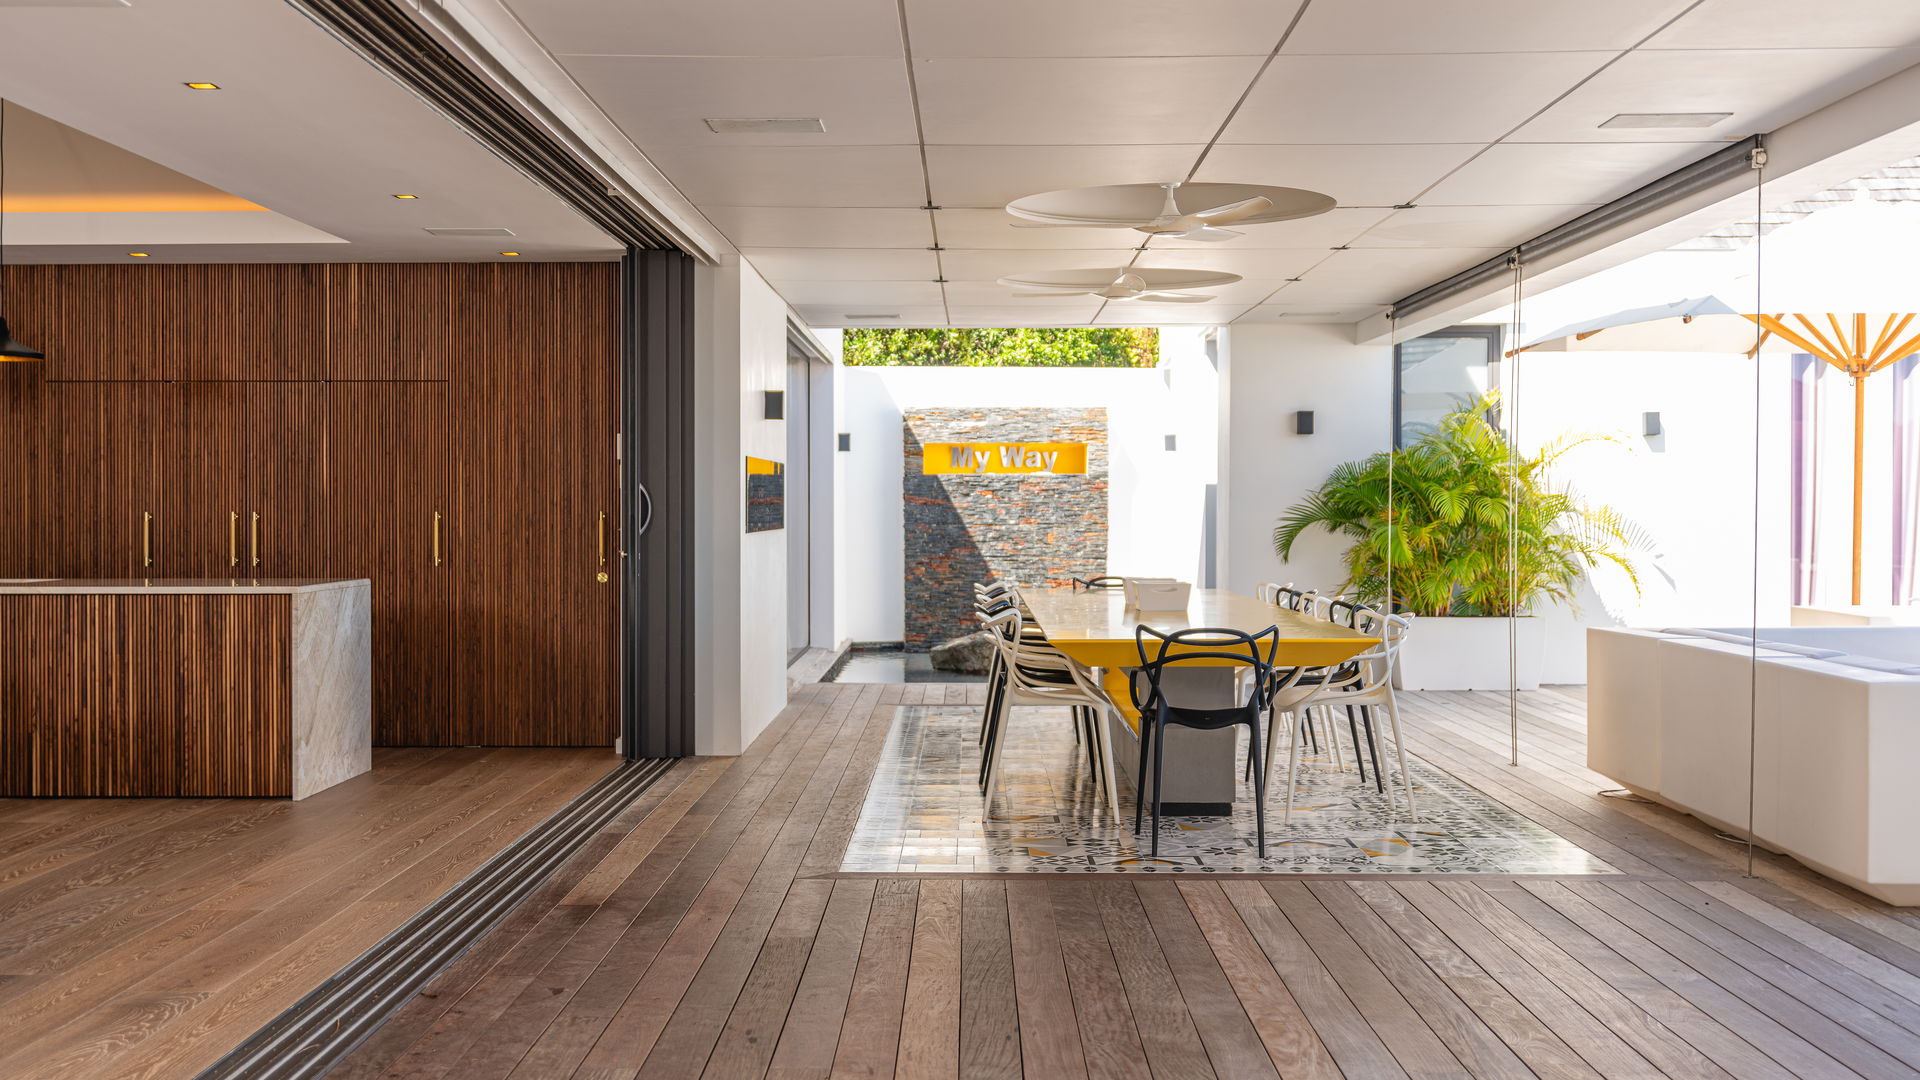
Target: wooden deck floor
{"x": 147, "y": 937}
{"x": 713, "y": 938}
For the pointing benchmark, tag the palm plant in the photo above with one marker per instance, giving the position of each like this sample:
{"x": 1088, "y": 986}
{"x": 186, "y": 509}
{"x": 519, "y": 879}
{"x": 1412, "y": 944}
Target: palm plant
{"x": 1467, "y": 524}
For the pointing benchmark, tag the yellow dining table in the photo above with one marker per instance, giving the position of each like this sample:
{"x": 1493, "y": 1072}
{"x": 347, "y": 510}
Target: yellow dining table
{"x": 1096, "y": 628}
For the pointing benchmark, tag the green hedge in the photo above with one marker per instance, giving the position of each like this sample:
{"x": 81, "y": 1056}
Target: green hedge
{"x": 1077, "y": 347}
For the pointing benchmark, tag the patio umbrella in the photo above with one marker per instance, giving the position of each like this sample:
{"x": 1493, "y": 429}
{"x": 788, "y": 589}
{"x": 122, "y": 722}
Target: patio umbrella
{"x": 1839, "y": 285}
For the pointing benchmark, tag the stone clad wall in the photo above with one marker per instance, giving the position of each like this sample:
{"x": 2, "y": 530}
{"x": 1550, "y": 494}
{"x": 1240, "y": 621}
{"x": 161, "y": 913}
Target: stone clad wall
{"x": 1034, "y": 530}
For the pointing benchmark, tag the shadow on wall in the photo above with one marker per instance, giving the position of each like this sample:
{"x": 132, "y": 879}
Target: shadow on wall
{"x": 1036, "y": 529}
{"x": 943, "y": 560}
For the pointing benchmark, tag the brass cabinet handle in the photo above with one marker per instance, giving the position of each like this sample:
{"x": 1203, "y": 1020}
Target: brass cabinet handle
{"x": 600, "y": 532}
{"x": 146, "y": 539}
{"x": 233, "y": 538}
{"x": 253, "y": 540}
{"x": 436, "y": 538}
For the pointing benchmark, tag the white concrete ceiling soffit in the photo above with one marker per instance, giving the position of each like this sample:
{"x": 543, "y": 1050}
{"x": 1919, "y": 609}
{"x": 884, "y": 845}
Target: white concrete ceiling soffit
{"x": 1446, "y": 132}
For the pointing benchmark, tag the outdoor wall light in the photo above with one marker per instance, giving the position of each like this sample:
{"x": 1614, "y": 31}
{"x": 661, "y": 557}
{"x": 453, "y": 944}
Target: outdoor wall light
{"x": 846, "y": 442}
{"x": 1173, "y": 442}
{"x": 1303, "y": 422}
{"x": 776, "y": 405}
{"x": 1650, "y": 425}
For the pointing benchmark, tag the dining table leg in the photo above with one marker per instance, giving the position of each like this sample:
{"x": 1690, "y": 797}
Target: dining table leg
{"x": 1103, "y": 748}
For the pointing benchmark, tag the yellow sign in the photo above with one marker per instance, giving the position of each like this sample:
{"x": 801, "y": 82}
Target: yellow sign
{"x": 1052, "y": 458}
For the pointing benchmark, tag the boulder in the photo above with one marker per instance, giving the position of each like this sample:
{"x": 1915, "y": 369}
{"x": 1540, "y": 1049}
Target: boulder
{"x": 969, "y": 655}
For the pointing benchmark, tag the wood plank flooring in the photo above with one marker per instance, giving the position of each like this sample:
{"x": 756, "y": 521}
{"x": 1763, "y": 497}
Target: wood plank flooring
{"x": 716, "y": 940}
{"x": 147, "y": 937}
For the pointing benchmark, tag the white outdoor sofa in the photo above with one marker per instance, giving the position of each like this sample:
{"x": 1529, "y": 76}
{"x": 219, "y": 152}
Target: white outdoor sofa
{"x": 1835, "y": 738}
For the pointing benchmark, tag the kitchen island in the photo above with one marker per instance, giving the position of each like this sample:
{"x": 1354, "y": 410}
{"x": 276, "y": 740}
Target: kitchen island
{"x": 184, "y": 688}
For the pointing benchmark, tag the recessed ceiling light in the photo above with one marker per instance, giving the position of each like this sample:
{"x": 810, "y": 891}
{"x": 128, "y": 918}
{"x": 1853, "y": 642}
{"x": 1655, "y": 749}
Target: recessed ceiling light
{"x": 202, "y": 86}
{"x": 509, "y": 253}
{"x": 137, "y": 254}
{"x": 1666, "y": 119}
{"x": 766, "y": 125}
{"x": 406, "y": 196}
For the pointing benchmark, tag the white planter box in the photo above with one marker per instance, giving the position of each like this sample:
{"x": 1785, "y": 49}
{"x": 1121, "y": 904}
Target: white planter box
{"x": 1448, "y": 653}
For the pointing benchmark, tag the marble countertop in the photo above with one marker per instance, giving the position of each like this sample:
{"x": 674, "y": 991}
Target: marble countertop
{"x": 68, "y": 586}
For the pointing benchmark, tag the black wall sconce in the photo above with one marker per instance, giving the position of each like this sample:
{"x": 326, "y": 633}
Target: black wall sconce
{"x": 1650, "y": 425}
{"x": 776, "y": 405}
{"x": 1303, "y": 422}
{"x": 846, "y": 442}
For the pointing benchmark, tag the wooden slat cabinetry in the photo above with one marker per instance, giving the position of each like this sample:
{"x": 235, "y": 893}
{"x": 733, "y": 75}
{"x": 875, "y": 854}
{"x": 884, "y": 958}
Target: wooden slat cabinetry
{"x": 536, "y": 629}
{"x": 387, "y": 467}
{"x": 148, "y": 696}
{"x": 345, "y": 405}
{"x": 185, "y": 322}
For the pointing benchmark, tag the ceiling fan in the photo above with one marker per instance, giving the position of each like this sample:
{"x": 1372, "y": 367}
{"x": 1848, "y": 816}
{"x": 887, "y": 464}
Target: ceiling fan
{"x": 1153, "y": 284}
{"x": 1155, "y": 209}
{"x": 1127, "y": 287}
{"x": 1171, "y": 223}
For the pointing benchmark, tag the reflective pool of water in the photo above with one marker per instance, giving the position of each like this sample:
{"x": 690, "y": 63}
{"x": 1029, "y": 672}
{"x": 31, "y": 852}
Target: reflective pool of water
{"x": 891, "y": 666}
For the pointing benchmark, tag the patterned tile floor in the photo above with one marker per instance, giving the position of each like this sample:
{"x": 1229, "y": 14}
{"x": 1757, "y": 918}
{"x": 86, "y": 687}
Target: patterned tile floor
{"x": 924, "y": 814}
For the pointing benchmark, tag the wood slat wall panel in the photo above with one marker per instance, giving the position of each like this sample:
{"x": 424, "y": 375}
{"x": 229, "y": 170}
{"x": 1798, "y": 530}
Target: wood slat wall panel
{"x": 130, "y": 433}
{"x": 587, "y": 607}
{"x": 287, "y": 482}
{"x": 193, "y": 394}
{"x": 204, "y": 435}
{"x": 25, "y": 506}
{"x": 390, "y": 322}
{"x": 152, "y": 322}
{"x": 387, "y": 468}
{"x": 532, "y": 355}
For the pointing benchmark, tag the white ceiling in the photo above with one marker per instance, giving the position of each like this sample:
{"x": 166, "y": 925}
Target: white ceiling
{"x": 301, "y": 126}
{"x": 1483, "y": 115}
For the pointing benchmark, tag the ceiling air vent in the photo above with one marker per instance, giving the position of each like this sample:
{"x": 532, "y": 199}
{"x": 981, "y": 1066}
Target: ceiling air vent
{"x": 765, "y": 125}
{"x": 1666, "y": 119}
{"x": 471, "y": 232}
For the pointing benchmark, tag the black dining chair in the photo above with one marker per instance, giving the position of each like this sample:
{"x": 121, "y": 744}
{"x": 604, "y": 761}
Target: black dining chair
{"x": 1154, "y": 695}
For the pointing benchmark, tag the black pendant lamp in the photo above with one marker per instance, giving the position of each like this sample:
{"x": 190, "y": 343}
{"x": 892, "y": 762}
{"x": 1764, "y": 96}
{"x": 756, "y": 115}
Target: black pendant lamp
{"x": 10, "y": 349}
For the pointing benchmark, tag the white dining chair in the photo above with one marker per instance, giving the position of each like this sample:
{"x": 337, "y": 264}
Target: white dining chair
{"x": 1039, "y": 675}
{"x": 1368, "y": 683}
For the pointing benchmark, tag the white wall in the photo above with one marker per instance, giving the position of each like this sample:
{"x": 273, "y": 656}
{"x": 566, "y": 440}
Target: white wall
{"x": 740, "y": 580}
{"x": 1270, "y": 372}
{"x": 1693, "y": 491}
{"x": 1155, "y": 497}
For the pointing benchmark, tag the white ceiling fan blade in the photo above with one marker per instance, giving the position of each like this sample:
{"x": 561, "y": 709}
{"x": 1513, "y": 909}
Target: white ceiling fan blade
{"x": 1076, "y": 292}
{"x": 1070, "y": 224}
{"x": 1173, "y": 298}
{"x": 1204, "y": 232}
{"x": 1126, "y": 286}
{"x": 1232, "y": 212}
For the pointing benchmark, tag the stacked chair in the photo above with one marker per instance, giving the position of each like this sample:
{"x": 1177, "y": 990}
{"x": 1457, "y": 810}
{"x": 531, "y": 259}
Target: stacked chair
{"x": 1029, "y": 672}
{"x": 1359, "y": 685}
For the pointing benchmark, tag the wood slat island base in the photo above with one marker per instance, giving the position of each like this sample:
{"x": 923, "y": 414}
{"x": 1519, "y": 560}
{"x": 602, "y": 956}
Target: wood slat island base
{"x": 184, "y": 688}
